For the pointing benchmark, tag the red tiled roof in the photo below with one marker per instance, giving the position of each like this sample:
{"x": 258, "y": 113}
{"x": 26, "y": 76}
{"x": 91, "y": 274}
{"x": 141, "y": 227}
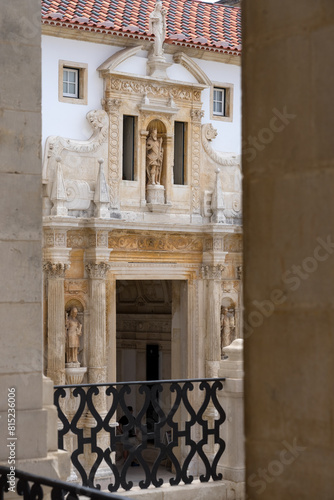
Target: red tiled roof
{"x": 189, "y": 22}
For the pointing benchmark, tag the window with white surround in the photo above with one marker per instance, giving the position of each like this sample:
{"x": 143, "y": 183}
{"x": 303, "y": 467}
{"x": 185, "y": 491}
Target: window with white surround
{"x": 219, "y": 101}
{"x": 222, "y": 102}
{"x": 72, "y": 82}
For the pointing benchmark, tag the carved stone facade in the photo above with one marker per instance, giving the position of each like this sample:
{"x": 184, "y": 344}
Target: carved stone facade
{"x": 148, "y": 226}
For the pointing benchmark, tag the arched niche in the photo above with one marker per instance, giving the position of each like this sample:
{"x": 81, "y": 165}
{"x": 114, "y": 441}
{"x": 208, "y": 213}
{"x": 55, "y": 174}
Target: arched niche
{"x": 161, "y": 129}
{"x": 81, "y": 317}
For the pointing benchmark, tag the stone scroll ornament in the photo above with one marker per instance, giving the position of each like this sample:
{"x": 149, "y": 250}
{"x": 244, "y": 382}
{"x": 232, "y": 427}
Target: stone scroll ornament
{"x": 154, "y": 158}
{"x": 157, "y": 27}
{"x": 208, "y": 134}
{"x": 55, "y": 145}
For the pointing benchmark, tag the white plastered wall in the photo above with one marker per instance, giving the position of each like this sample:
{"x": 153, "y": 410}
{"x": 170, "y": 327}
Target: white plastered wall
{"x": 68, "y": 120}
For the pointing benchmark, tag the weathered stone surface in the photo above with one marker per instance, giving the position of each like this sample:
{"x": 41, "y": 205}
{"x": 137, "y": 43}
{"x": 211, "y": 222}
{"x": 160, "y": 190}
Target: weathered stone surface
{"x": 288, "y": 320}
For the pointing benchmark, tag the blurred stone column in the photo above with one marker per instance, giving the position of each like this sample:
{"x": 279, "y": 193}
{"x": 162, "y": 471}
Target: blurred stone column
{"x": 97, "y": 362}
{"x": 97, "y": 366}
{"x": 21, "y": 356}
{"x": 212, "y": 275}
{"x": 289, "y": 262}
{"x": 56, "y": 257}
{"x": 231, "y": 398}
{"x": 56, "y": 321}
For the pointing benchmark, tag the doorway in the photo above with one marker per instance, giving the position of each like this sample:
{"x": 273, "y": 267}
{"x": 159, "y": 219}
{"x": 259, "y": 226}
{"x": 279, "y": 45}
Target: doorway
{"x": 143, "y": 329}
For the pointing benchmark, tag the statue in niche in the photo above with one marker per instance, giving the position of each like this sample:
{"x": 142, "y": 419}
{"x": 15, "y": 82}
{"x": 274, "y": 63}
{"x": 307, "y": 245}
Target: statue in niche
{"x": 158, "y": 28}
{"x": 154, "y": 157}
{"x": 73, "y": 333}
{"x": 227, "y": 327}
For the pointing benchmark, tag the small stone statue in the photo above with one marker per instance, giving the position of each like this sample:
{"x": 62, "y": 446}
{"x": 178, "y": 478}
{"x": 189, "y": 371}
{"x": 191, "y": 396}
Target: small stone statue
{"x": 158, "y": 28}
{"x": 227, "y": 328}
{"x": 73, "y": 334}
{"x": 154, "y": 157}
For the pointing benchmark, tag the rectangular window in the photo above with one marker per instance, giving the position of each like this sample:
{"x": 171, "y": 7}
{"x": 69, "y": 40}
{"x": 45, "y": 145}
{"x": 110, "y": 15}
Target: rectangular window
{"x": 219, "y": 99}
{"x": 222, "y": 102}
{"x": 128, "y": 148}
{"x": 71, "y": 83}
{"x": 179, "y": 152}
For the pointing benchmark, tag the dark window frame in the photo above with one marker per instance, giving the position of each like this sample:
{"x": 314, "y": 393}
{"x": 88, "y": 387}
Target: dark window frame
{"x": 129, "y": 147}
{"x": 180, "y": 153}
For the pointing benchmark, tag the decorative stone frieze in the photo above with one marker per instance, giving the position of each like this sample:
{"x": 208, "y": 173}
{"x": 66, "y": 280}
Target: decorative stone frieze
{"x": 212, "y": 272}
{"x": 55, "y": 238}
{"x": 97, "y": 251}
{"x": 77, "y": 239}
{"x": 218, "y": 243}
{"x": 233, "y": 243}
{"x": 230, "y": 286}
{"x": 126, "y": 324}
{"x": 98, "y": 239}
{"x": 160, "y": 242}
{"x": 97, "y": 270}
{"x": 127, "y": 86}
{"x": 76, "y": 287}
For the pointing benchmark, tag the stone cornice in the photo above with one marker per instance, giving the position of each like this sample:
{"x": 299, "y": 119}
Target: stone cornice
{"x": 127, "y": 40}
{"x": 74, "y": 223}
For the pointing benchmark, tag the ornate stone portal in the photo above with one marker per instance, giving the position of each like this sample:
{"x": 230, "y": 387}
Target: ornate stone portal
{"x": 164, "y": 232}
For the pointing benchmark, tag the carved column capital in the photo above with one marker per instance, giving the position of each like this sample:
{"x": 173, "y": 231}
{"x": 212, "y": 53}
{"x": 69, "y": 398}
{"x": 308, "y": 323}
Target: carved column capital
{"x": 97, "y": 270}
{"x": 111, "y": 105}
{"x": 55, "y": 269}
{"x": 196, "y": 115}
{"x": 212, "y": 272}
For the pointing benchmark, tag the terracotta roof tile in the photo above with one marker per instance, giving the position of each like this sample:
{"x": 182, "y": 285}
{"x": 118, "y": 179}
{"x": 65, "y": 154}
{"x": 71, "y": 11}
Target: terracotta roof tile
{"x": 189, "y": 22}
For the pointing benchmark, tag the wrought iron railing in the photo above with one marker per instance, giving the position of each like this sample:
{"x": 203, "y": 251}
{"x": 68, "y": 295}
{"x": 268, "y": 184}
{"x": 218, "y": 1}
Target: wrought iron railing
{"x": 176, "y": 425}
{"x": 32, "y": 487}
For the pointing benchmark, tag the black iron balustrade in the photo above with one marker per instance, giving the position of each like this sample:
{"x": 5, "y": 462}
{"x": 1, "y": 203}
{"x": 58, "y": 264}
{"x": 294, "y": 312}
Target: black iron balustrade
{"x": 179, "y": 419}
{"x": 32, "y": 487}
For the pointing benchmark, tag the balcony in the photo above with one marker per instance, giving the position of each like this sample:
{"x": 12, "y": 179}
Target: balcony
{"x": 177, "y": 433}
{"x": 174, "y": 432}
